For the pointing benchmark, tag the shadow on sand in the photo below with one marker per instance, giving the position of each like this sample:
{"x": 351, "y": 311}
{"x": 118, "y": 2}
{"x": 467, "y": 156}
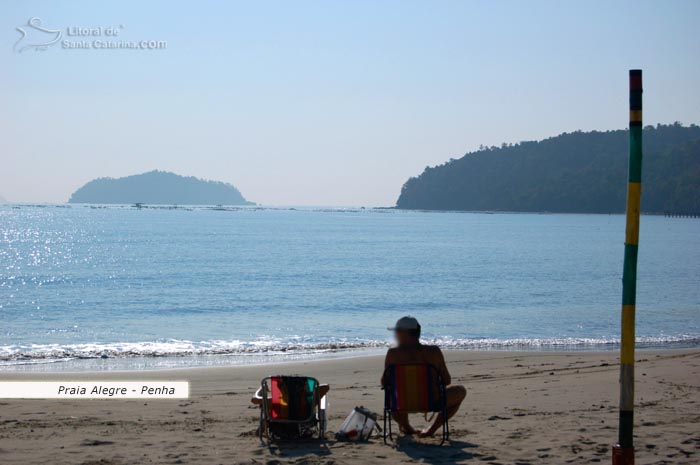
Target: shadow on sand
{"x": 327, "y": 452}
{"x": 298, "y": 448}
{"x": 451, "y": 452}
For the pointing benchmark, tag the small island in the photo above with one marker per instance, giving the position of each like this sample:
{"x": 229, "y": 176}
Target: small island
{"x": 158, "y": 188}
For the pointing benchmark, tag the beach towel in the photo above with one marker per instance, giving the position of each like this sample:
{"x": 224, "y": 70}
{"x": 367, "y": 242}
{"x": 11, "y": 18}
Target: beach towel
{"x": 292, "y": 397}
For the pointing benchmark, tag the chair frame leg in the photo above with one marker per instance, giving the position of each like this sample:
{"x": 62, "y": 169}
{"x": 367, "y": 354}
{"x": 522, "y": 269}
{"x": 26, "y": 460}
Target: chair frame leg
{"x": 321, "y": 423}
{"x": 261, "y": 426}
{"x": 447, "y": 428}
{"x": 445, "y": 425}
{"x": 387, "y": 418}
{"x": 384, "y": 432}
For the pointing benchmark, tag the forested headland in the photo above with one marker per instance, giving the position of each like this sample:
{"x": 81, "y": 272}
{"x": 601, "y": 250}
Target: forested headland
{"x": 578, "y": 172}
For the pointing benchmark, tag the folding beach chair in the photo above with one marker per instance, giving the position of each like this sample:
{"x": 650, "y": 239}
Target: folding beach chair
{"x": 414, "y": 388}
{"x": 291, "y": 408}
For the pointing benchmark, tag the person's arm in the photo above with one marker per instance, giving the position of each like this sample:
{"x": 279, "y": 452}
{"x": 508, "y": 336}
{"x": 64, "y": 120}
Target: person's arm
{"x": 388, "y": 360}
{"x": 442, "y": 367}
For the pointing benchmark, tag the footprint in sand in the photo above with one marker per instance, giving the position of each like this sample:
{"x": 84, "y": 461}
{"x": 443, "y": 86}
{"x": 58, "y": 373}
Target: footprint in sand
{"x": 488, "y": 458}
{"x": 95, "y": 442}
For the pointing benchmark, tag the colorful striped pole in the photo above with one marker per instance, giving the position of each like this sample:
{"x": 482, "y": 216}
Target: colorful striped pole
{"x": 623, "y": 453}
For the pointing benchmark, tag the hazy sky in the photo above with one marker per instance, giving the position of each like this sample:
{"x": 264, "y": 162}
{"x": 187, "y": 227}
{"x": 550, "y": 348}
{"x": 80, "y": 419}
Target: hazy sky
{"x": 324, "y": 103}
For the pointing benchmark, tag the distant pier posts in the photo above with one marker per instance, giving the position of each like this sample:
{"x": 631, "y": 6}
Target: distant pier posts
{"x": 623, "y": 452}
{"x": 682, "y": 215}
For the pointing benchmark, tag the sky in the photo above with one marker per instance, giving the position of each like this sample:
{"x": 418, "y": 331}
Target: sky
{"x": 324, "y": 103}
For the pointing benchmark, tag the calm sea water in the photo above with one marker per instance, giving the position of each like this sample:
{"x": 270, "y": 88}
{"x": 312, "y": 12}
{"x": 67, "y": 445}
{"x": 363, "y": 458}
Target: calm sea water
{"x": 118, "y": 285}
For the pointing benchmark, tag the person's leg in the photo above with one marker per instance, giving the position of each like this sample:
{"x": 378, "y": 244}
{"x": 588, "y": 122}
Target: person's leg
{"x": 323, "y": 390}
{"x": 404, "y": 425}
{"x": 257, "y": 397}
{"x": 455, "y": 395}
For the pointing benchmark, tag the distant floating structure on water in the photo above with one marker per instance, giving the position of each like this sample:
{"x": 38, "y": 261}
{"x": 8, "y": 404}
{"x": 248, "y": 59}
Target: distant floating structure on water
{"x": 681, "y": 215}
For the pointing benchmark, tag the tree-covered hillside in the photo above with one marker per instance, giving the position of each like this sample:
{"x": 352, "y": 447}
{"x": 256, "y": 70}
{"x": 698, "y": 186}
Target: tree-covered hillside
{"x": 580, "y": 172}
{"x": 158, "y": 187}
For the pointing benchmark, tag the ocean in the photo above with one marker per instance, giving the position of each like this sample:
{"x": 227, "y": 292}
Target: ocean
{"x": 117, "y": 287}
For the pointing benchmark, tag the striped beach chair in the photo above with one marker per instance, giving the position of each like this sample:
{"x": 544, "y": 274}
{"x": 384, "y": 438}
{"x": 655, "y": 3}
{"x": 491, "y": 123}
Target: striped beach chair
{"x": 291, "y": 408}
{"x": 414, "y": 388}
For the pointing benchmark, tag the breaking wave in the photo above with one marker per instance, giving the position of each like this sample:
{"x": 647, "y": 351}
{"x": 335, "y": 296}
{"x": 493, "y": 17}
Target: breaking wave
{"x": 53, "y": 353}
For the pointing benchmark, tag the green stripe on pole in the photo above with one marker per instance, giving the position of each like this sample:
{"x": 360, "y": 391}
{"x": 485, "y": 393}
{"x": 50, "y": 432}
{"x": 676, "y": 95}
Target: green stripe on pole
{"x": 626, "y": 428}
{"x": 629, "y": 275}
{"x": 636, "y": 100}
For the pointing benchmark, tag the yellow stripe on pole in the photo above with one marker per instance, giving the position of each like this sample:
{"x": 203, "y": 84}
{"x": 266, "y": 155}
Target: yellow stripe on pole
{"x": 635, "y": 116}
{"x": 627, "y": 352}
{"x": 634, "y": 196}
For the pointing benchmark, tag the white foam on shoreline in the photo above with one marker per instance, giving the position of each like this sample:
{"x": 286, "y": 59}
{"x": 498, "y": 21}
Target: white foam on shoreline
{"x": 54, "y": 353}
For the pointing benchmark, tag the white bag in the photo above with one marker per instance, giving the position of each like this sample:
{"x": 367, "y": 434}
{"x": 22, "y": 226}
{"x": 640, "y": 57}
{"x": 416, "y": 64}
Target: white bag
{"x": 358, "y": 425}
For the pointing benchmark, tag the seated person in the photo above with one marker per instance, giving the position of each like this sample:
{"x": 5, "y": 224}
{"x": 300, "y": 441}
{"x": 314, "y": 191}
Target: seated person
{"x": 409, "y": 350}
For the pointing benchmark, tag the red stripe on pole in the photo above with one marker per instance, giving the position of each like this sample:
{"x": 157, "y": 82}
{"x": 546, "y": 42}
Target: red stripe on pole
{"x": 635, "y": 80}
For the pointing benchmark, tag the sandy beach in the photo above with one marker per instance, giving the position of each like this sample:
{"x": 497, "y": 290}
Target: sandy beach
{"x": 522, "y": 408}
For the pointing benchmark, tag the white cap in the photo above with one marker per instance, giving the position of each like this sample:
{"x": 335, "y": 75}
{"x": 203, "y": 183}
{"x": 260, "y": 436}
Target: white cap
{"x": 405, "y": 323}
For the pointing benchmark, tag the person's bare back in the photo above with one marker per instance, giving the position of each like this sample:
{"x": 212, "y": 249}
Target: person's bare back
{"x": 419, "y": 353}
